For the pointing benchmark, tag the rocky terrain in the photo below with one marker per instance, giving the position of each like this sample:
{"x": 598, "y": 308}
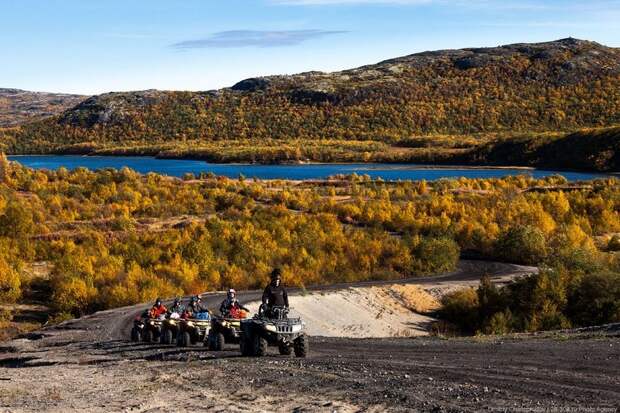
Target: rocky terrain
{"x": 89, "y": 365}
{"x": 559, "y": 63}
{"x": 19, "y": 106}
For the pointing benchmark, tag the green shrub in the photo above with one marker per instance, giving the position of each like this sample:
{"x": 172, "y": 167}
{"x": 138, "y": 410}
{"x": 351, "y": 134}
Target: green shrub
{"x": 522, "y": 245}
{"x": 461, "y": 308}
{"x": 537, "y": 301}
{"x": 490, "y": 299}
{"x": 499, "y": 323}
{"x": 435, "y": 255}
{"x": 595, "y": 300}
{"x": 614, "y": 243}
{"x": 10, "y": 283}
{"x": 16, "y": 222}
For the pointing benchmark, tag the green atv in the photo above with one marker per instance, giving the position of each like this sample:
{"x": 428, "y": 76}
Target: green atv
{"x": 192, "y": 331}
{"x": 223, "y": 330}
{"x": 273, "y": 328}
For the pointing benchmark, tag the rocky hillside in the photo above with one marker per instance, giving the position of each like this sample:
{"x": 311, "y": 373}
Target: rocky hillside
{"x": 18, "y": 106}
{"x": 484, "y": 93}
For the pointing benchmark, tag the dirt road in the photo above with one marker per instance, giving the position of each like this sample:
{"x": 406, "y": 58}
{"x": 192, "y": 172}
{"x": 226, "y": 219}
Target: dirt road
{"x": 88, "y": 365}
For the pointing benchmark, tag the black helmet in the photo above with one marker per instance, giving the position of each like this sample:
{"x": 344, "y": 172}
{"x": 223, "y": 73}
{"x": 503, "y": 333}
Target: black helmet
{"x": 158, "y": 302}
{"x": 276, "y": 274}
{"x": 177, "y": 301}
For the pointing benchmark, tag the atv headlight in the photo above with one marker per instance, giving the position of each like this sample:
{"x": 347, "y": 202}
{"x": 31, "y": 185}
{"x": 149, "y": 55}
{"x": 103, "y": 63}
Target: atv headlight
{"x": 190, "y": 324}
{"x": 152, "y": 323}
{"x": 296, "y": 328}
{"x": 271, "y": 327}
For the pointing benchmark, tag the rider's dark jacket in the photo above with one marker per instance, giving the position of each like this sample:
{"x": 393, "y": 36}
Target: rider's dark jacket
{"x": 176, "y": 309}
{"x": 194, "y": 308}
{"x": 275, "y": 296}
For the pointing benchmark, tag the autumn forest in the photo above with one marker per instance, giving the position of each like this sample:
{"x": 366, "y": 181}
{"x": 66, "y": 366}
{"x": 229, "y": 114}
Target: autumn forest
{"x": 115, "y": 237}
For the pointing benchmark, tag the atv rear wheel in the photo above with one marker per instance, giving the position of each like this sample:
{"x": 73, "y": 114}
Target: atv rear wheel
{"x": 148, "y": 337}
{"x": 220, "y": 341}
{"x": 245, "y": 345}
{"x": 260, "y": 346}
{"x": 216, "y": 341}
{"x": 285, "y": 349}
{"x": 301, "y": 346}
{"x": 184, "y": 339}
{"x": 166, "y": 337}
{"x": 135, "y": 335}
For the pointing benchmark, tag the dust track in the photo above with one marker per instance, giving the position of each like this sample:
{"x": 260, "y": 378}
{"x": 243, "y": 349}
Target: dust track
{"x": 88, "y": 365}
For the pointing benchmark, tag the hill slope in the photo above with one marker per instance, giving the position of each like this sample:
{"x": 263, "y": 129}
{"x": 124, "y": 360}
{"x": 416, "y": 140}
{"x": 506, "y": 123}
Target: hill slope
{"x": 18, "y": 106}
{"x": 471, "y": 96}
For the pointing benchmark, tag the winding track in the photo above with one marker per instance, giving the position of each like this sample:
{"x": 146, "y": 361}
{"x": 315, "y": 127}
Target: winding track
{"x": 564, "y": 371}
{"x": 116, "y": 324}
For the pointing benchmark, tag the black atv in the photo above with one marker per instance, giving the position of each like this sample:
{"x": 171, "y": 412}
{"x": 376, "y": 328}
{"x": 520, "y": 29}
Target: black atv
{"x": 193, "y": 331}
{"x": 152, "y": 330}
{"x": 273, "y": 328}
{"x": 137, "y": 329}
{"x": 224, "y": 330}
{"x": 146, "y": 329}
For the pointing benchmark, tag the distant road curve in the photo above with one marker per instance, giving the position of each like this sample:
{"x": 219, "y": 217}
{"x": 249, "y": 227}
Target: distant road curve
{"x": 115, "y": 324}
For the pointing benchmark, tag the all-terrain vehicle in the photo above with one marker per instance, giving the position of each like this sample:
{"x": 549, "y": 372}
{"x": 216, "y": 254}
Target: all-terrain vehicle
{"x": 138, "y": 327}
{"x": 194, "y": 330}
{"x": 225, "y": 330}
{"x": 273, "y": 328}
{"x": 146, "y": 329}
{"x": 170, "y": 329}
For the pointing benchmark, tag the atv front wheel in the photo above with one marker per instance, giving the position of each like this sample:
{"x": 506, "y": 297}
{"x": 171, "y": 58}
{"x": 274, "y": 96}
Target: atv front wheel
{"x": 166, "y": 337}
{"x": 301, "y": 346}
{"x": 135, "y": 335}
{"x": 260, "y": 346}
{"x": 285, "y": 349}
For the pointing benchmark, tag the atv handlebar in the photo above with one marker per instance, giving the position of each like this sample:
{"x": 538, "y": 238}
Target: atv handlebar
{"x": 276, "y": 312}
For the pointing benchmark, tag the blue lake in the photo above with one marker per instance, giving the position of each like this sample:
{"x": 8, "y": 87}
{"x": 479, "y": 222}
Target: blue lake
{"x": 175, "y": 167}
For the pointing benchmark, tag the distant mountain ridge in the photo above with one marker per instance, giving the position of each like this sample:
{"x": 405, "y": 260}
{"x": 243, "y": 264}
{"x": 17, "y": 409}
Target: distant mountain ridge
{"x": 476, "y": 93}
{"x": 18, "y": 106}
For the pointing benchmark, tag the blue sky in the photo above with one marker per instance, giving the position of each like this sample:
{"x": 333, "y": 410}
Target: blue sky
{"x": 95, "y": 46}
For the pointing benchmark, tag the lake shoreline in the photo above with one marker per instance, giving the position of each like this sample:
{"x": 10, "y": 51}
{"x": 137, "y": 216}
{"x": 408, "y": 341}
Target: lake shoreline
{"x": 385, "y": 165}
{"x": 294, "y": 171}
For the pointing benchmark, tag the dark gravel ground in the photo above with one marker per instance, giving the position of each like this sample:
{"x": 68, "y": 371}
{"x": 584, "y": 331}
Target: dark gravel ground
{"x": 554, "y": 372}
{"x": 505, "y": 374}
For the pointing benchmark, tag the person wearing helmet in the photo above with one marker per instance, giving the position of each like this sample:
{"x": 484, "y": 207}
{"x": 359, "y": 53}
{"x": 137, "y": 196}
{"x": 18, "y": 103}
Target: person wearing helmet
{"x": 194, "y": 307}
{"x": 275, "y": 295}
{"x": 231, "y": 304}
{"x": 177, "y": 307}
{"x": 158, "y": 309}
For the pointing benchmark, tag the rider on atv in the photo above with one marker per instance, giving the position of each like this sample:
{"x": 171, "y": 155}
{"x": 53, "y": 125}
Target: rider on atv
{"x": 230, "y": 306}
{"x": 177, "y": 307}
{"x": 158, "y": 309}
{"x": 275, "y": 295}
{"x": 194, "y": 307}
